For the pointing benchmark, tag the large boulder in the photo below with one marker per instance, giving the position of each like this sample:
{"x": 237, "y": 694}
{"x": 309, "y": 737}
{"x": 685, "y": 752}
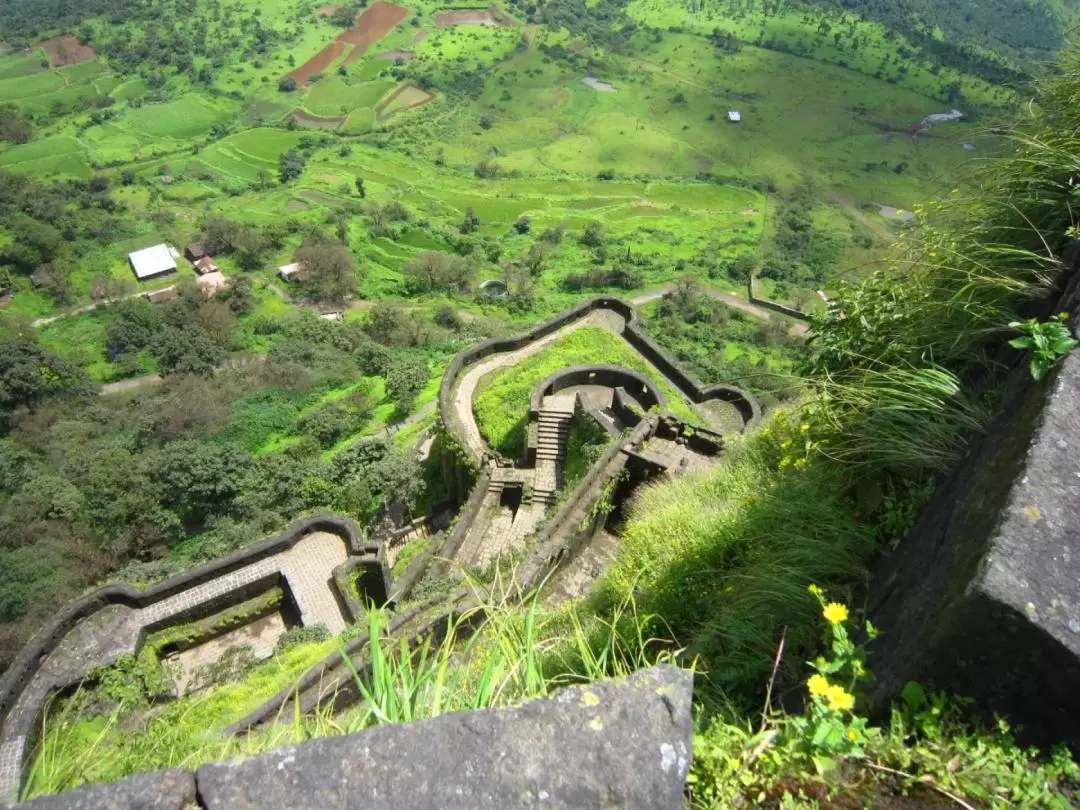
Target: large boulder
{"x": 982, "y": 599}
{"x": 620, "y": 743}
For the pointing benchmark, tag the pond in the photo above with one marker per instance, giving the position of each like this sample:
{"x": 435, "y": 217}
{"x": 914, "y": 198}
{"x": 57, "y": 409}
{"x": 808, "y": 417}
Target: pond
{"x": 596, "y": 84}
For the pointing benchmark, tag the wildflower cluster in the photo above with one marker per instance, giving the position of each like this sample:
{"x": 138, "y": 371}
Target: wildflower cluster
{"x": 830, "y": 730}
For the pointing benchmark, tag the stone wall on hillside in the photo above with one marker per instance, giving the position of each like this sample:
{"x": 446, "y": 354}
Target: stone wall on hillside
{"x": 619, "y": 743}
{"x": 982, "y": 598}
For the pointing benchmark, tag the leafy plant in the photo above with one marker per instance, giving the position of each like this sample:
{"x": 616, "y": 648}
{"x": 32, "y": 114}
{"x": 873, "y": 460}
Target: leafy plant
{"x": 1048, "y": 342}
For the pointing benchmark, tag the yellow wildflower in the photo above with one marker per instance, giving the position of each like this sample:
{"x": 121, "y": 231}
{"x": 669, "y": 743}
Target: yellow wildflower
{"x": 804, "y": 427}
{"x": 819, "y": 685}
{"x": 852, "y": 735}
{"x": 840, "y": 699}
{"x": 835, "y": 613}
{"x": 814, "y": 589}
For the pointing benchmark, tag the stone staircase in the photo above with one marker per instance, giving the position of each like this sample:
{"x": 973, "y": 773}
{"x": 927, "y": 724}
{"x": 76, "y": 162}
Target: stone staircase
{"x": 553, "y": 425}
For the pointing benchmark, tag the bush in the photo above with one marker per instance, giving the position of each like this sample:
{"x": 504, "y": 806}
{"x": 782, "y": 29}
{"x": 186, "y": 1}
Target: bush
{"x": 301, "y": 634}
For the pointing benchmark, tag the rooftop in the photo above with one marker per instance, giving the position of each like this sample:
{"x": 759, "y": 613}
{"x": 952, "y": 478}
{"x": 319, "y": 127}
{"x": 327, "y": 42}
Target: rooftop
{"x": 153, "y": 261}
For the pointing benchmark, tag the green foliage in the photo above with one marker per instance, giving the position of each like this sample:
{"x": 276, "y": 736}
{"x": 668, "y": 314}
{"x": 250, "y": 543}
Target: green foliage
{"x": 302, "y": 634}
{"x": 328, "y": 270}
{"x": 1048, "y": 342}
{"x": 405, "y": 379}
{"x": 702, "y": 553}
{"x": 30, "y": 375}
{"x": 291, "y": 165}
{"x": 828, "y": 752}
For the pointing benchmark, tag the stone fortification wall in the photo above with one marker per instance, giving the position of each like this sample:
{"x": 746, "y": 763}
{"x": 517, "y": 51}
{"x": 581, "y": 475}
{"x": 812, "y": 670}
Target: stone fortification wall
{"x": 619, "y": 743}
{"x": 689, "y": 385}
{"x": 772, "y": 306}
{"x": 982, "y": 598}
{"x": 25, "y": 686}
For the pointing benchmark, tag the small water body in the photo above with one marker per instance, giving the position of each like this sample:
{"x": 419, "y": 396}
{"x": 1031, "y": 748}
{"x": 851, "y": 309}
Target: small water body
{"x": 894, "y": 213}
{"x": 934, "y": 118}
{"x": 596, "y": 84}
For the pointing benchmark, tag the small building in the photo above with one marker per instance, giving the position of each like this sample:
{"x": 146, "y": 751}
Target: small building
{"x": 212, "y": 282}
{"x": 164, "y": 294}
{"x": 152, "y": 262}
{"x": 734, "y": 116}
{"x": 288, "y": 271}
{"x": 332, "y": 316}
{"x": 206, "y": 265}
{"x": 195, "y": 251}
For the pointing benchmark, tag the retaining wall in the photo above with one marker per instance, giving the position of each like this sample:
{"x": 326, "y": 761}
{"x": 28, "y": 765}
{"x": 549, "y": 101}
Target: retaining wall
{"x": 634, "y": 334}
{"x": 772, "y": 306}
{"x": 21, "y": 728}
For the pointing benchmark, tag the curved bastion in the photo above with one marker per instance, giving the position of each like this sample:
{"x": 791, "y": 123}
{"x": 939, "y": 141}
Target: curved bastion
{"x": 322, "y": 570}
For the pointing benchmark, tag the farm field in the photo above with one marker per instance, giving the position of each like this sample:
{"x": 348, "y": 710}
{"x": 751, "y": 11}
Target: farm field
{"x": 241, "y": 243}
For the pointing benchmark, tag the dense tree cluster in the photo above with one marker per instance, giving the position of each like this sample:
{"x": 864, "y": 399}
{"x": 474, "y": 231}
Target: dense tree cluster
{"x": 174, "y": 475}
{"x": 46, "y": 226}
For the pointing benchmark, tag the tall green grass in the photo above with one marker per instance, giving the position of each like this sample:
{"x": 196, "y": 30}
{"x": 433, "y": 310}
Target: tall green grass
{"x": 726, "y": 557}
{"x": 494, "y": 654}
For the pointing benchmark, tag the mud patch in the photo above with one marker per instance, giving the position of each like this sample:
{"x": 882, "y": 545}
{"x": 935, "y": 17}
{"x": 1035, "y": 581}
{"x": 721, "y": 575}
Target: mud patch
{"x": 751, "y": 212}
{"x": 394, "y": 56}
{"x": 326, "y": 11}
{"x": 419, "y": 36}
{"x": 468, "y": 16}
{"x": 297, "y": 205}
{"x": 372, "y": 24}
{"x": 318, "y": 63}
{"x": 306, "y": 119}
{"x": 319, "y": 197}
{"x": 67, "y": 50}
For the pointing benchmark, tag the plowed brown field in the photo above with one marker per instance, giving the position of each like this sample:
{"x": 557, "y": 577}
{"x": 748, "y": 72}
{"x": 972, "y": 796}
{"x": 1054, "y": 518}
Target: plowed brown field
{"x": 374, "y": 23}
{"x": 67, "y": 50}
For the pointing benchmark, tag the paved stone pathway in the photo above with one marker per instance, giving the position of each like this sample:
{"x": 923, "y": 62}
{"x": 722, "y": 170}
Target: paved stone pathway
{"x": 97, "y": 641}
{"x": 467, "y": 382}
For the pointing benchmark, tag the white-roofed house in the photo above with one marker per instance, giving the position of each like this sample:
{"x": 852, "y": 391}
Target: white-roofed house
{"x": 734, "y": 116}
{"x": 152, "y": 262}
{"x": 287, "y": 271}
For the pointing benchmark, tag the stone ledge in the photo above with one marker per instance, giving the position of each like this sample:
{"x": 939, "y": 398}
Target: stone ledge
{"x": 164, "y": 790}
{"x": 618, "y": 743}
{"x": 982, "y": 598}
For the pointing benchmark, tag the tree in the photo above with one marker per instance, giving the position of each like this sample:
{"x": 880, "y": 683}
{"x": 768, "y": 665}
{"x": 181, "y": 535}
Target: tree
{"x": 593, "y": 235}
{"x": 471, "y": 223}
{"x": 523, "y": 224}
{"x": 29, "y": 375}
{"x": 186, "y": 350}
{"x": 13, "y": 127}
{"x": 196, "y": 478}
{"x": 327, "y": 270}
{"x": 291, "y": 165}
{"x": 536, "y": 260}
{"x": 433, "y": 271}
{"x": 134, "y": 325}
{"x": 405, "y": 379}
{"x": 360, "y": 188}
{"x": 287, "y": 85}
